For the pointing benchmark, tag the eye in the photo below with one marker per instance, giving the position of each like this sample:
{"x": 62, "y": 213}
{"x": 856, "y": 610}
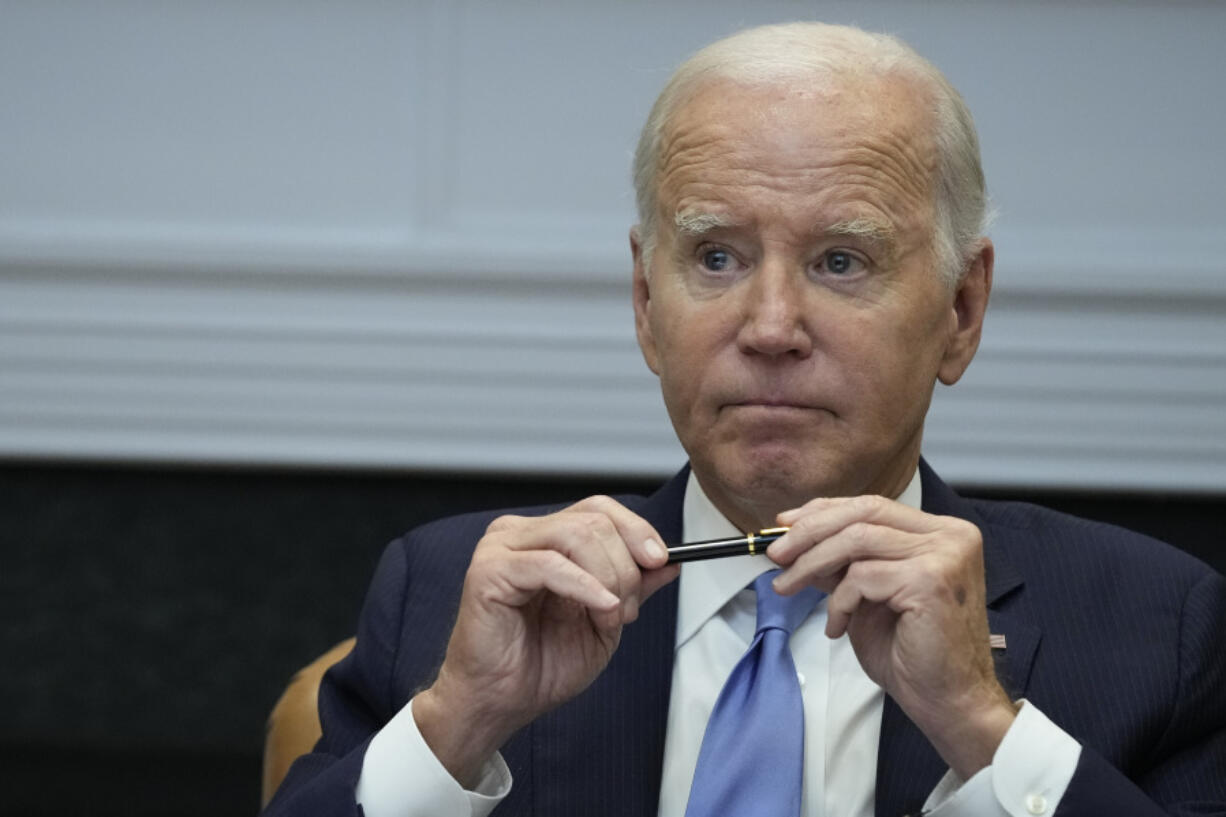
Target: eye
{"x": 841, "y": 262}
{"x": 717, "y": 260}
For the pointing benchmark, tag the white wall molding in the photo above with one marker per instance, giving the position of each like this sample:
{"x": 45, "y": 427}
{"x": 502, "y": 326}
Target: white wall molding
{"x": 1031, "y": 262}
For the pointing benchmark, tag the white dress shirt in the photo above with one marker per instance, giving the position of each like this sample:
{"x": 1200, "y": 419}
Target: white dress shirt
{"x": 716, "y": 619}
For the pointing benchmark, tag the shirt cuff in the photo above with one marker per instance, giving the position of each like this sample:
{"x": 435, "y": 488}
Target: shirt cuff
{"x": 1028, "y": 776}
{"x": 401, "y": 777}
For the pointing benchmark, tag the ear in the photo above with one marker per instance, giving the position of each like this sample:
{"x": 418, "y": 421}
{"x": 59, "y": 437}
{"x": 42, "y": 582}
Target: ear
{"x": 642, "y": 303}
{"x": 970, "y": 304}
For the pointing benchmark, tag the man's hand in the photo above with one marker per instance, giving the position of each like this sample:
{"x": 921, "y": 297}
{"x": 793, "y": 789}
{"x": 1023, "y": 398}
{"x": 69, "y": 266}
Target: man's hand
{"x": 541, "y": 614}
{"x": 908, "y": 589}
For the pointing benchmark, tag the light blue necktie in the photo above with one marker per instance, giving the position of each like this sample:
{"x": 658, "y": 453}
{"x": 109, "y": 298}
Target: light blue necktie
{"x": 753, "y": 752}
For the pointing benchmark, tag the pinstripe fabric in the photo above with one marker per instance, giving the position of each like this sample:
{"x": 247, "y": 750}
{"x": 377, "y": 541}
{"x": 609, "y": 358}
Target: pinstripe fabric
{"x": 1116, "y": 637}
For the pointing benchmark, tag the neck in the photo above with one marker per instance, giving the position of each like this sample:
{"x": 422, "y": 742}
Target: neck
{"x": 754, "y": 513}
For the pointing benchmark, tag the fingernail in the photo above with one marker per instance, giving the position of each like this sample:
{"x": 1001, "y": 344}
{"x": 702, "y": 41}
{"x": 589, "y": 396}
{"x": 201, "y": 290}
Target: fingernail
{"x": 655, "y": 550}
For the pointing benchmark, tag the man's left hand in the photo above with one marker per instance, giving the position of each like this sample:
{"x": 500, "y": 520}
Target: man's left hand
{"x": 908, "y": 589}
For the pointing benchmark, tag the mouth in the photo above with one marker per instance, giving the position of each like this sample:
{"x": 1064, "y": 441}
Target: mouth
{"x": 774, "y": 403}
{"x": 775, "y": 407}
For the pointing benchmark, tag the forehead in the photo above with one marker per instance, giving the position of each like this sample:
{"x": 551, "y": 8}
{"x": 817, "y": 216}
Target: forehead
{"x": 857, "y": 149}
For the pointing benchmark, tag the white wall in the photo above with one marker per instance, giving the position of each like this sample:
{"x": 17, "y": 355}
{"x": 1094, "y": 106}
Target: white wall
{"x": 394, "y": 234}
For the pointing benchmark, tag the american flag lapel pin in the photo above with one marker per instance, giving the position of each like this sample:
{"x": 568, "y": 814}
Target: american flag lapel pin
{"x": 996, "y": 642}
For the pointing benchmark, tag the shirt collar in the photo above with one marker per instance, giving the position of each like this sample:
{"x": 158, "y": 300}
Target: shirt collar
{"x": 706, "y": 586}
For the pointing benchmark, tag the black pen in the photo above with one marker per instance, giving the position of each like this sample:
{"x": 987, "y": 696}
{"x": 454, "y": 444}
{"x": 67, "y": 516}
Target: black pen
{"x": 748, "y": 545}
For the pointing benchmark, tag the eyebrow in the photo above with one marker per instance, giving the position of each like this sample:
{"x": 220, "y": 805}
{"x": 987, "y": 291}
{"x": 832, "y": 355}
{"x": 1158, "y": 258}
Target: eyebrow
{"x": 869, "y": 229}
{"x": 697, "y": 222}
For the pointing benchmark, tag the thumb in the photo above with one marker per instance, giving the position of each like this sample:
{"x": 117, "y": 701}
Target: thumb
{"x": 653, "y": 580}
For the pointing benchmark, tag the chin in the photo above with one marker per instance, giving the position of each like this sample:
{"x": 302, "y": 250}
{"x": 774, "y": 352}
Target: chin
{"x": 775, "y": 480}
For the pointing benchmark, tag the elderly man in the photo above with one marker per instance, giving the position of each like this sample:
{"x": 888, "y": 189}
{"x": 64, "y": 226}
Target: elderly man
{"x": 809, "y": 261}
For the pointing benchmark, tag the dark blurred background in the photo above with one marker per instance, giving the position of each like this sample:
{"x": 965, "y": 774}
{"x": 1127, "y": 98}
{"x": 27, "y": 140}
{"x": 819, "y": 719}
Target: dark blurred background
{"x": 149, "y": 618}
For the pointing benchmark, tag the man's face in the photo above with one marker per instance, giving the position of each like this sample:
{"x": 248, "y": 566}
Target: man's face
{"x": 793, "y": 310}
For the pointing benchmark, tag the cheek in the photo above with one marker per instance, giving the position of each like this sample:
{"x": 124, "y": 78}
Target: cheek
{"x": 688, "y": 351}
{"x": 889, "y": 361}
{"x": 681, "y": 363}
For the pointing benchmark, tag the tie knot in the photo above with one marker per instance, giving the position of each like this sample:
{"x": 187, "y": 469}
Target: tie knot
{"x": 783, "y": 612}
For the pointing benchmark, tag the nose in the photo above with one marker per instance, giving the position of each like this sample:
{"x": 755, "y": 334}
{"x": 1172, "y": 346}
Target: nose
{"x": 773, "y": 321}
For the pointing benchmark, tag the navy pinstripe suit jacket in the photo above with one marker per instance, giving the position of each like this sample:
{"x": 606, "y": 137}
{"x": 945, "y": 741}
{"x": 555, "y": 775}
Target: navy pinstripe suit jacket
{"x": 1116, "y": 637}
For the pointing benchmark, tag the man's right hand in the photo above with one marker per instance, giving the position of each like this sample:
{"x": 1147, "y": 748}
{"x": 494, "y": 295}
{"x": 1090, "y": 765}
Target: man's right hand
{"x": 544, "y": 602}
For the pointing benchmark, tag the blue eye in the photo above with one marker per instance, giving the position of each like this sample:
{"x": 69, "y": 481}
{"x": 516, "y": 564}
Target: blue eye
{"x": 839, "y": 262}
{"x": 716, "y": 260}
{"x": 842, "y": 263}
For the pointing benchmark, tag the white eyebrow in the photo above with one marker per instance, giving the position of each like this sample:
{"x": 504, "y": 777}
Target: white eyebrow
{"x": 696, "y": 223}
{"x": 879, "y": 232}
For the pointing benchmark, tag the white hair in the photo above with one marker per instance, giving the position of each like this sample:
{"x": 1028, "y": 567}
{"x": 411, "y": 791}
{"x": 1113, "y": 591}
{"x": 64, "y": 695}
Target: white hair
{"x": 808, "y": 52}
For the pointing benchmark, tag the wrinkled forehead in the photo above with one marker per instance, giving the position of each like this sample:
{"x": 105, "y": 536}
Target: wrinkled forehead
{"x": 873, "y": 130}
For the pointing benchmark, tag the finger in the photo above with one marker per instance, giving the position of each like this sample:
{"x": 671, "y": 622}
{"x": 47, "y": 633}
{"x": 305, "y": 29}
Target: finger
{"x": 786, "y": 518}
{"x": 820, "y": 519}
{"x": 653, "y": 580}
{"x": 876, "y": 582}
{"x": 637, "y": 546}
{"x": 593, "y": 533}
{"x": 867, "y": 507}
{"x": 588, "y": 539}
{"x": 519, "y": 577}
{"x": 593, "y": 541}
{"x": 644, "y": 542}
{"x": 824, "y": 564}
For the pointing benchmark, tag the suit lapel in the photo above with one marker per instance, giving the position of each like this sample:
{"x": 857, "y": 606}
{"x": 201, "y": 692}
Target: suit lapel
{"x": 908, "y": 768}
{"x": 1002, "y": 581}
{"x": 620, "y": 720}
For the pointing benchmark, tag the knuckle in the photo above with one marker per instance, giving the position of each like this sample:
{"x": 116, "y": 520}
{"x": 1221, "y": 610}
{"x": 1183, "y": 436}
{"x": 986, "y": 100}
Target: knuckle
{"x": 480, "y": 561}
{"x": 487, "y": 546}
{"x": 932, "y": 572}
{"x": 503, "y": 523}
{"x": 580, "y": 527}
{"x": 843, "y": 598}
{"x": 597, "y": 503}
{"x": 858, "y": 534}
{"x": 804, "y": 526}
{"x": 866, "y": 504}
{"x": 971, "y": 533}
{"x": 966, "y": 537}
{"x": 962, "y": 527}
{"x": 599, "y": 525}
{"x": 488, "y": 561}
